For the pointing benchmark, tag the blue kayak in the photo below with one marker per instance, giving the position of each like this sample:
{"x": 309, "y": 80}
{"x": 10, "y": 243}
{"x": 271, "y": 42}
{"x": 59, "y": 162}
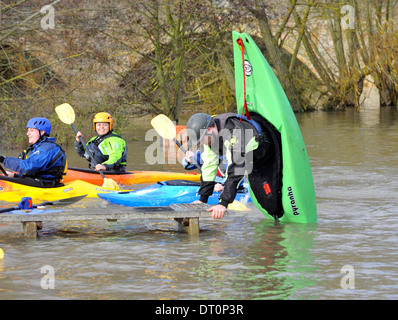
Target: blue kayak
{"x": 165, "y": 193}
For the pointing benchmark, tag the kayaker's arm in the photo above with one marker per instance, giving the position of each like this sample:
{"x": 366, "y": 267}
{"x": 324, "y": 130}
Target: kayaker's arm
{"x": 218, "y": 211}
{"x": 234, "y": 173}
{"x": 79, "y": 148}
{"x": 35, "y": 163}
{"x": 78, "y": 135}
{"x": 114, "y": 147}
{"x": 6, "y": 173}
{"x": 188, "y": 160}
{"x": 209, "y": 172}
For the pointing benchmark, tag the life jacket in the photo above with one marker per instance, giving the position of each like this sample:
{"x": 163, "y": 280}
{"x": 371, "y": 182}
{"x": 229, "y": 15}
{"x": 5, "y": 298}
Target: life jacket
{"x": 58, "y": 172}
{"x": 246, "y": 129}
{"x": 99, "y": 157}
{"x": 222, "y": 120}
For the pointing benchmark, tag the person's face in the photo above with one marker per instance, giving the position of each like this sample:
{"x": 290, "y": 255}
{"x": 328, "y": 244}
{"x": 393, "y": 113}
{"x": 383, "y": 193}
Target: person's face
{"x": 33, "y": 135}
{"x": 210, "y": 136}
{"x": 102, "y": 128}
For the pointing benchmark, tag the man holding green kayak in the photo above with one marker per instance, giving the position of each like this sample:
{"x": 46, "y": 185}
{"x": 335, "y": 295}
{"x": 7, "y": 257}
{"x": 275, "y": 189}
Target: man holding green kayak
{"x": 109, "y": 149}
{"x": 43, "y": 163}
{"x": 248, "y": 145}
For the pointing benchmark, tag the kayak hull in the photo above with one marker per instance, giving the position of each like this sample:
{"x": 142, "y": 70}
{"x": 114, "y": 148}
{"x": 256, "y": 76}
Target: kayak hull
{"x": 265, "y": 95}
{"x": 163, "y": 194}
{"x": 13, "y": 192}
{"x": 128, "y": 177}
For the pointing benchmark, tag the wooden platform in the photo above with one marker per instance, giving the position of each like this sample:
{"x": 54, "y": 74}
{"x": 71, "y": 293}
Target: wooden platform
{"x": 187, "y": 215}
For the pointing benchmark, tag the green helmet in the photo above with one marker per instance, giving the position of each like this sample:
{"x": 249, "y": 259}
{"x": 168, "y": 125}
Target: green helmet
{"x": 197, "y": 126}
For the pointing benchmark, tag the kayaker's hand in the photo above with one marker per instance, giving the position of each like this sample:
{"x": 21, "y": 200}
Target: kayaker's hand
{"x": 78, "y": 135}
{"x": 197, "y": 201}
{"x": 99, "y": 167}
{"x": 189, "y": 155}
{"x": 218, "y": 187}
{"x": 218, "y": 211}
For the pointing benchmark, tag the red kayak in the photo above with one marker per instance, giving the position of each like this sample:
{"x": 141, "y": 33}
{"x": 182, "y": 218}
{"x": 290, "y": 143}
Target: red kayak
{"x": 128, "y": 177}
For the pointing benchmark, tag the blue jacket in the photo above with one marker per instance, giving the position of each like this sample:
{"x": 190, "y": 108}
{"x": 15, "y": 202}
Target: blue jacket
{"x": 38, "y": 161}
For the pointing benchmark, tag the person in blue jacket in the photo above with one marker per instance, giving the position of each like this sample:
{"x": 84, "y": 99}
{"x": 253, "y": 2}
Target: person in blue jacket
{"x": 44, "y": 161}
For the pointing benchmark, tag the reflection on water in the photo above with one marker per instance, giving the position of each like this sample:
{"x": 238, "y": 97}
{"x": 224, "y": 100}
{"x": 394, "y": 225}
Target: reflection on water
{"x": 243, "y": 256}
{"x": 152, "y": 261}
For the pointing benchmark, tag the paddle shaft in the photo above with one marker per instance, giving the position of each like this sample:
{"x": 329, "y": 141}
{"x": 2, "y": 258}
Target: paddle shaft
{"x": 87, "y": 149}
{"x": 62, "y": 202}
{"x": 185, "y": 151}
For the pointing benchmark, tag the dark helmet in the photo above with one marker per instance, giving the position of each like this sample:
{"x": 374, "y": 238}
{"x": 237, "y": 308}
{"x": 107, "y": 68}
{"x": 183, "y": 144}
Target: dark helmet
{"x": 40, "y": 123}
{"x": 198, "y": 125}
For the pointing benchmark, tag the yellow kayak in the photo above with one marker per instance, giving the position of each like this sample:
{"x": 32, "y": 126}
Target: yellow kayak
{"x": 13, "y": 192}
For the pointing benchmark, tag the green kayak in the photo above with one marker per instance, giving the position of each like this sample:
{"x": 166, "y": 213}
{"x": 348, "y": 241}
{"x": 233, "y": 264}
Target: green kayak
{"x": 258, "y": 88}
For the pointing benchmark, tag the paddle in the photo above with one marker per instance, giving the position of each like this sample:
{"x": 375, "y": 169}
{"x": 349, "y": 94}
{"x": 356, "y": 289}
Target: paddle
{"x": 67, "y": 115}
{"x": 61, "y": 202}
{"x": 166, "y": 129}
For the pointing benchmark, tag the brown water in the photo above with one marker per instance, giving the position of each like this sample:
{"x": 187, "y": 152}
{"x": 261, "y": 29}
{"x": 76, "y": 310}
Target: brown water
{"x": 351, "y": 253}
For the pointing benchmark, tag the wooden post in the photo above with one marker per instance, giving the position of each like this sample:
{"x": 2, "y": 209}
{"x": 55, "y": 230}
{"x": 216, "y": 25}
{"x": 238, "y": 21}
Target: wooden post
{"x": 189, "y": 225}
{"x": 193, "y": 227}
{"x": 29, "y": 229}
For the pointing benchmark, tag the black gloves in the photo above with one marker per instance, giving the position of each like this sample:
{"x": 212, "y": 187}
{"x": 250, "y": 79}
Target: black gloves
{"x": 2, "y": 159}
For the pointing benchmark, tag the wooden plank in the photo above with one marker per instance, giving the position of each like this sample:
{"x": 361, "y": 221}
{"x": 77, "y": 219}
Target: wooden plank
{"x": 114, "y": 213}
{"x": 101, "y": 214}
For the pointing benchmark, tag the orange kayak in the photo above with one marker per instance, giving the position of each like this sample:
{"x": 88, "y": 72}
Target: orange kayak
{"x": 128, "y": 177}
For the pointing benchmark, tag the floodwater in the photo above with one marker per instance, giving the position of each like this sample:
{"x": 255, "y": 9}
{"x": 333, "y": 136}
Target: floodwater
{"x": 350, "y": 253}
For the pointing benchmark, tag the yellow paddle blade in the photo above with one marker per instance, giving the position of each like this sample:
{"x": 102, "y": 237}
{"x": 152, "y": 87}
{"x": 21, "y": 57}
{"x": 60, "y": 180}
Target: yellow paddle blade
{"x": 237, "y": 206}
{"x": 164, "y": 126}
{"x": 65, "y": 113}
{"x": 110, "y": 184}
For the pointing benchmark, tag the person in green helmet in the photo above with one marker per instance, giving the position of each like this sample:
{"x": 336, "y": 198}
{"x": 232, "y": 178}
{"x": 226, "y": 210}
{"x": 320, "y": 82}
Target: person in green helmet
{"x": 108, "y": 148}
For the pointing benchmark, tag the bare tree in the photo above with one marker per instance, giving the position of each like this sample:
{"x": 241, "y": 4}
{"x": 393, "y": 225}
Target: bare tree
{"x": 163, "y": 33}
{"x": 379, "y": 44}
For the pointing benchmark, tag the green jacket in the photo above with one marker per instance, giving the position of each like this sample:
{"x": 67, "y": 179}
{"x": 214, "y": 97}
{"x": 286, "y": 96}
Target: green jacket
{"x": 109, "y": 150}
